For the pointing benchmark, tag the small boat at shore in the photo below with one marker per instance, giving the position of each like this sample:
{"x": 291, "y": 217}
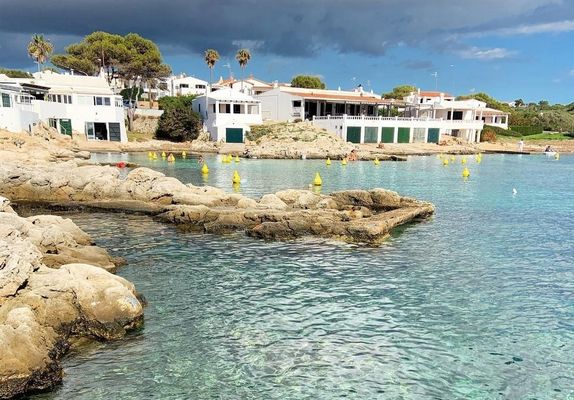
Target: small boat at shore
{"x": 550, "y": 153}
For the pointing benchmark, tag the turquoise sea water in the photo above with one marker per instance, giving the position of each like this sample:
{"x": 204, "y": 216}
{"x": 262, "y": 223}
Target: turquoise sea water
{"x": 475, "y": 303}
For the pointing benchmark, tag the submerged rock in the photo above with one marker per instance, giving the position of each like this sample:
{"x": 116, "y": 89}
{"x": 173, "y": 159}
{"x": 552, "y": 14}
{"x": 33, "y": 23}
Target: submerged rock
{"x": 42, "y": 308}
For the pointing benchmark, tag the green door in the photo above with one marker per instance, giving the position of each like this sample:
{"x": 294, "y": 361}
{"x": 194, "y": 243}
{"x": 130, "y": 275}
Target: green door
{"x": 66, "y": 127}
{"x": 354, "y": 134}
{"x": 115, "y": 132}
{"x": 234, "y": 135}
{"x": 388, "y": 135}
{"x": 371, "y": 134}
{"x": 404, "y": 135}
{"x": 434, "y": 135}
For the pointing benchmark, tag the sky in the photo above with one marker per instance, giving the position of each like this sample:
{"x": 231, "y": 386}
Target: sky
{"x": 508, "y": 48}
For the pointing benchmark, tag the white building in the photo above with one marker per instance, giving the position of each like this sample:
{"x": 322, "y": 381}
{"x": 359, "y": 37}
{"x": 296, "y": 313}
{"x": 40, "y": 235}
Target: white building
{"x": 16, "y": 110}
{"x": 251, "y": 86}
{"x": 182, "y": 85}
{"x": 427, "y": 116}
{"x": 285, "y": 103}
{"x": 228, "y": 114}
{"x": 84, "y": 104}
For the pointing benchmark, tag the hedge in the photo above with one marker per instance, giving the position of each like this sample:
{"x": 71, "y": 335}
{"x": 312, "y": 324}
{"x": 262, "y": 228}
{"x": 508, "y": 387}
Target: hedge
{"x": 527, "y": 130}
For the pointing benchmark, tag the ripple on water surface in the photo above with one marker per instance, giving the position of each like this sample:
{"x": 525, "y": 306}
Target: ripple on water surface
{"x": 475, "y": 303}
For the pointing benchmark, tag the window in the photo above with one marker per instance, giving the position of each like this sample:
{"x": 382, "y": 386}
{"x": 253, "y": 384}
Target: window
{"x": 59, "y": 98}
{"x": 199, "y": 108}
{"x": 184, "y": 85}
{"x": 200, "y": 86}
{"x": 296, "y": 103}
{"x": 213, "y": 108}
{"x": 119, "y": 102}
{"x": 225, "y": 108}
{"x": 456, "y": 115}
{"x": 6, "y": 100}
{"x": 102, "y": 101}
{"x": 254, "y": 109}
{"x": 236, "y": 109}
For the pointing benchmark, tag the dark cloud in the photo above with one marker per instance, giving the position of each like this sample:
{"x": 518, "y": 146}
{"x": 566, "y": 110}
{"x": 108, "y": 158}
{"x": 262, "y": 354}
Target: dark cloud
{"x": 291, "y": 28}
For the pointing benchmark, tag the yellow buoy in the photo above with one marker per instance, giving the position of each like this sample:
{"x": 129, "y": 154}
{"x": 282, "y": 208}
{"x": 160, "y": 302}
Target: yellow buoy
{"x": 236, "y": 178}
{"x": 445, "y": 162}
{"x": 317, "y": 181}
{"x": 236, "y": 159}
{"x": 465, "y": 173}
{"x": 451, "y": 158}
{"x": 204, "y": 169}
{"x": 183, "y": 154}
{"x": 377, "y": 161}
{"x": 163, "y": 154}
{"x": 328, "y": 162}
{"x": 154, "y": 155}
{"x": 149, "y": 154}
{"x": 171, "y": 158}
{"x": 344, "y": 161}
{"x": 463, "y": 161}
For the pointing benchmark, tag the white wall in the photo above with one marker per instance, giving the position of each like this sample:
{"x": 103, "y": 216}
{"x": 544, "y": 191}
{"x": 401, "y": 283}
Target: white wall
{"x": 278, "y": 106}
{"x": 80, "y": 114}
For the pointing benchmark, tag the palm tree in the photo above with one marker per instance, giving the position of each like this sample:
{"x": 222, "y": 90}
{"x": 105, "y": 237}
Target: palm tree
{"x": 243, "y": 56}
{"x": 40, "y": 49}
{"x": 211, "y": 56}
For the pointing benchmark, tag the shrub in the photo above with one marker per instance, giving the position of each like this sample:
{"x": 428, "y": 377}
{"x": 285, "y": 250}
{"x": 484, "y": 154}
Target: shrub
{"x": 488, "y": 134}
{"x": 131, "y": 93}
{"x": 179, "y": 125}
{"x": 170, "y": 102}
{"x": 527, "y": 130}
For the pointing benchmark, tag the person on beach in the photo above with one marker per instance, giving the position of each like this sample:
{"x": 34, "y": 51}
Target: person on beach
{"x": 352, "y": 155}
{"x": 200, "y": 160}
{"x": 521, "y": 145}
{"x": 549, "y": 149}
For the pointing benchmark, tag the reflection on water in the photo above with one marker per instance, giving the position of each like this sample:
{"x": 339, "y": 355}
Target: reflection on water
{"x": 476, "y": 303}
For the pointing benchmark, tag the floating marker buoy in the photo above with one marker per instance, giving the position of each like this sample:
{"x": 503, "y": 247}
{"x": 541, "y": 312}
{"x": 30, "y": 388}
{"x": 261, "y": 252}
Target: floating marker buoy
{"x": 463, "y": 161}
{"x": 154, "y": 155}
{"x": 163, "y": 154}
{"x": 149, "y": 155}
{"x": 121, "y": 164}
{"x": 465, "y": 173}
{"x": 317, "y": 181}
{"x": 171, "y": 158}
{"x": 204, "y": 169}
{"x": 183, "y": 154}
{"x": 328, "y": 162}
{"x": 236, "y": 159}
{"x": 236, "y": 178}
{"x": 445, "y": 162}
{"x": 344, "y": 161}
{"x": 514, "y": 191}
{"x": 377, "y": 162}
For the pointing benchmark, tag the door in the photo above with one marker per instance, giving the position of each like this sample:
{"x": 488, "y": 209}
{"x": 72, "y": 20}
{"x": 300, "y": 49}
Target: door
{"x": 354, "y": 134}
{"x": 90, "y": 133}
{"x": 418, "y": 135}
{"x": 115, "y": 132}
{"x": 434, "y": 135}
{"x": 404, "y": 135}
{"x": 388, "y": 135}
{"x": 234, "y": 135}
{"x": 66, "y": 127}
{"x": 371, "y": 134}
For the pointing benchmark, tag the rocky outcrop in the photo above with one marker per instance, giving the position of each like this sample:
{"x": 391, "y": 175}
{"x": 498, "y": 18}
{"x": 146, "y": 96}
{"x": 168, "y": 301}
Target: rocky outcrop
{"x": 354, "y": 215}
{"x": 43, "y": 308}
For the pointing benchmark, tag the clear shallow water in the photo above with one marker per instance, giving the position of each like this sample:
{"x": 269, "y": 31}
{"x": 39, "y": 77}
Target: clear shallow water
{"x": 477, "y": 303}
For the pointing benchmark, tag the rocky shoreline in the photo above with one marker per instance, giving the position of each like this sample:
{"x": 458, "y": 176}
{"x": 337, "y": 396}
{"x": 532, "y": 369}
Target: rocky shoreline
{"x": 54, "y": 288}
{"x": 56, "y": 285}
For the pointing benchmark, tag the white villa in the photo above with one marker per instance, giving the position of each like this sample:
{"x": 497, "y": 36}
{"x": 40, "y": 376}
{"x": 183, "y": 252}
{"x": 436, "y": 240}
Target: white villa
{"x": 251, "y": 86}
{"x": 182, "y": 85}
{"x": 228, "y": 114}
{"x": 427, "y": 116}
{"x": 83, "y": 104}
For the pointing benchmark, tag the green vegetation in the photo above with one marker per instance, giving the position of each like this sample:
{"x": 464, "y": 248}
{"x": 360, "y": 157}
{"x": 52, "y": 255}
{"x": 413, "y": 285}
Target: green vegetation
{"x": 211, "y": 56}
{"x": 14, "y": 73}
{"x": 400, "y": 92}
{"x": 243, "y": 56}
{"x": 308, "y": 82}
{"x": 133, "y": 93}
{"x": 527, "y": 130}
{"x": 549, "y": 136}
{"x": 40, "y": 49}
{"x": 176, "y": 102}
{"x": 178, "y": 123}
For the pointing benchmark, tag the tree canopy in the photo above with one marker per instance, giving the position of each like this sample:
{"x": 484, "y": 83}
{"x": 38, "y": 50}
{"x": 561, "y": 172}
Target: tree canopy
{"x": 307, "y": 81}
{"x": 129, "y": 57}
{"x": 490, "y": 101}
{"x": 400, "y": 92}
{"x": 14, "y": 73}
{"x": 40, "y": 49}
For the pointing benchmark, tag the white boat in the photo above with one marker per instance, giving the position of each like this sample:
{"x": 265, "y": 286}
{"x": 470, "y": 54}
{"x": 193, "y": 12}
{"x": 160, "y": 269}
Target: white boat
{"x": 550, "y": 153}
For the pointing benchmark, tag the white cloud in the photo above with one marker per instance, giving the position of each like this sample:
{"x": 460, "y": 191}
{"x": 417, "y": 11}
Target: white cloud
{"x": 477, "y": 53}
{"x": 531, "y": 29}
